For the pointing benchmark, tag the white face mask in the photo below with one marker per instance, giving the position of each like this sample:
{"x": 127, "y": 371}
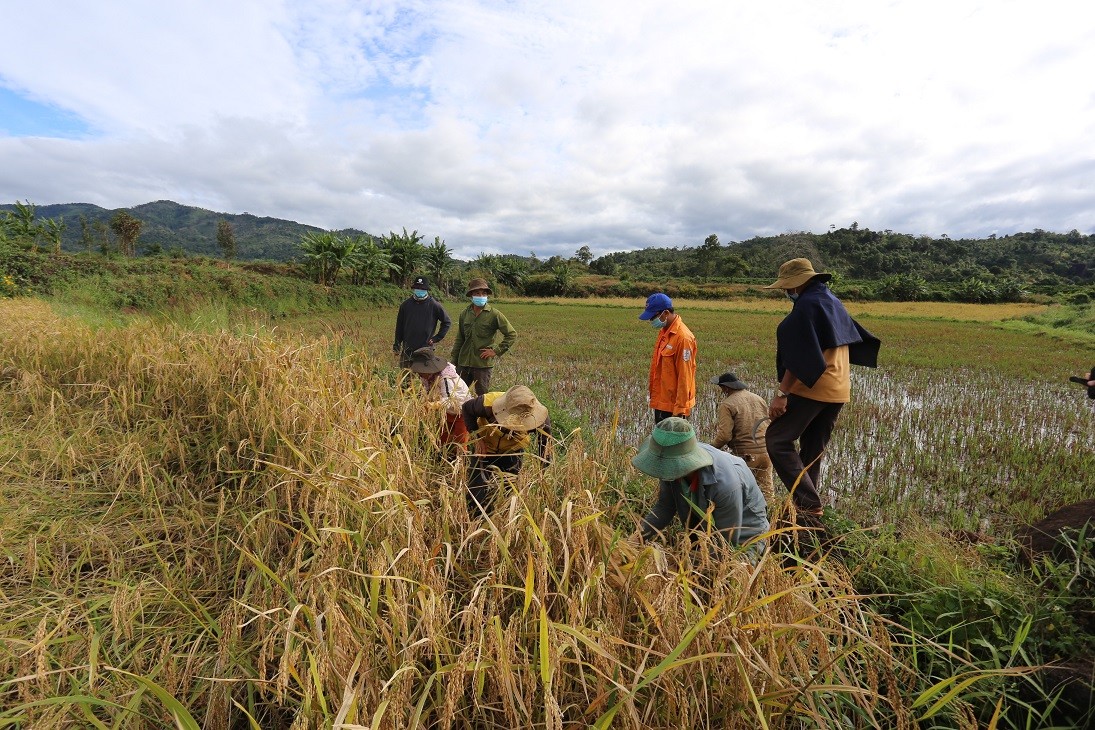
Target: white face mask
{"x": 792, "y": 296}
{"x": 657, "y": 323}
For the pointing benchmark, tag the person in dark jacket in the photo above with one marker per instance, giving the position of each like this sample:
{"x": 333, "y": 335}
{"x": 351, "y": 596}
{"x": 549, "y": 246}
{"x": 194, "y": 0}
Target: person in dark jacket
{"x": 421, "y": 322}
{"x": 815, "y": 345}
{"x": 707, "y": 489}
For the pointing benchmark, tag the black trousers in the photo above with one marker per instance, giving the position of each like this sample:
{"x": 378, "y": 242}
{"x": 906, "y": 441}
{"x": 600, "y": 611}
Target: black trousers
{"x": 483, "y": 477}
{"x": 660, "y": 416}
{"x": 811, "y": 423}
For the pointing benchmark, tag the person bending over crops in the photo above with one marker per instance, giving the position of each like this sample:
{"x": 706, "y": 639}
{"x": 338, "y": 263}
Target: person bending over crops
{"x": 708, "y": 489}
{"x": 743, "y": 421}
{"x": 815, "y": 344}
{"x": 501, "y": 425}
{"x": 443, "y": 386}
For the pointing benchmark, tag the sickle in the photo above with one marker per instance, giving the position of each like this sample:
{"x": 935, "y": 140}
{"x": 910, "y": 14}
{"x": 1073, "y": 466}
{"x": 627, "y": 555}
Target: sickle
{"x": 756, "y": 427}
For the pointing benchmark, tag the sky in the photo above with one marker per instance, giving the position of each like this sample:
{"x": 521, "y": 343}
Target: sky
{"x": 518, "y": 126}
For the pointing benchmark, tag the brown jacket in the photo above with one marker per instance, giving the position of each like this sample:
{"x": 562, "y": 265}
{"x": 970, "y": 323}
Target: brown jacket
{"x": 738, "y": 415}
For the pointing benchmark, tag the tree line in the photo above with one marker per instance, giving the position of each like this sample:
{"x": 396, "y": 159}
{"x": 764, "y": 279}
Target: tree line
{"x": 866, "y": 263}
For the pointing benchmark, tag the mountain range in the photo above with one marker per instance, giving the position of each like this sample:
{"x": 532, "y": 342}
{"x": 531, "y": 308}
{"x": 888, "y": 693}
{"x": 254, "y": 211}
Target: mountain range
{"x": 194, "y": 230}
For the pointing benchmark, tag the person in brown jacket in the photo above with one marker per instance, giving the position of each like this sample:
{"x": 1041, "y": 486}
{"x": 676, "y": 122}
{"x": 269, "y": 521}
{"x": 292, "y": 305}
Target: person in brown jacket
{"x": 742, "y": 413}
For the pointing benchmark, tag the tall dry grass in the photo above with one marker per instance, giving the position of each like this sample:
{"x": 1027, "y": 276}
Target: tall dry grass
{"x": 222, "y": 531}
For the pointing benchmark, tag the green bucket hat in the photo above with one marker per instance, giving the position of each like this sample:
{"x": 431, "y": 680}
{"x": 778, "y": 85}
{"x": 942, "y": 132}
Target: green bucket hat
{"x": 671, "y": 452}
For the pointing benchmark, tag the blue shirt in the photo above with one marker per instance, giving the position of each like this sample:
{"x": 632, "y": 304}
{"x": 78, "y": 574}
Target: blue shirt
{"x": 739, "y": 512}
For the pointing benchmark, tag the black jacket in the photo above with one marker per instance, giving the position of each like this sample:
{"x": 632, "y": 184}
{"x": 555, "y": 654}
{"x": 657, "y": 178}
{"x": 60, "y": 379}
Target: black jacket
{"x": 819, "y": 322}
{"x": 417, "y": 323}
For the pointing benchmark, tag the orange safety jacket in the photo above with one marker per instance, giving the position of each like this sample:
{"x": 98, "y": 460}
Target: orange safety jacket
{"x": 673, "y": 370}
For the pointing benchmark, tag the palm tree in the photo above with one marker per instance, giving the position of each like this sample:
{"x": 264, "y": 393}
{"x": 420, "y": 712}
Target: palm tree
{"x": 563, "y": 277}
{"x": 511, "y": 271}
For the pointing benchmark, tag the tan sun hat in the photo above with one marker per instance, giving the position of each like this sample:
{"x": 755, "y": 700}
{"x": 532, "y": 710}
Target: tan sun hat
{"x": 519, "y": 409}
{"x": 795, "y": 273}
{"x": 478, "y": 284}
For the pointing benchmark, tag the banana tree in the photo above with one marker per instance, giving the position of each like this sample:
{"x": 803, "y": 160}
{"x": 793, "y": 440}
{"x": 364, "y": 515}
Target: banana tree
{"x": 439, "y": 262}
{"x": 369, "y": 262}
{"x": 406, "y": 252}
{"x": 54, "y": 228}
{"x": 325, "y": 253}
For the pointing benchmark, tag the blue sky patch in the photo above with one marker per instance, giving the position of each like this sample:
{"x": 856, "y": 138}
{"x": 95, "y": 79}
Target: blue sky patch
{"x": 21, "y": 117}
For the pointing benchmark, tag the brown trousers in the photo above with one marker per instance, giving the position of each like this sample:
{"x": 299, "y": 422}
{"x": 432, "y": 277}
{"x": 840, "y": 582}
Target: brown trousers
{"x": 761, "y": 466}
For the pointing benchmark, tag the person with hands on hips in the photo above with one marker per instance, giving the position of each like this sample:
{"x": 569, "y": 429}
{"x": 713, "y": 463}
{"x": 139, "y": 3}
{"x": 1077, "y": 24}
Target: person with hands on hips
{"x": 421, "y": 322}
{"x": 475, "y": 350}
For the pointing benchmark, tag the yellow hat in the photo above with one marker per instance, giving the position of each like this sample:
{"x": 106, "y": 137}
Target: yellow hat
{"x": 795, "y": 273}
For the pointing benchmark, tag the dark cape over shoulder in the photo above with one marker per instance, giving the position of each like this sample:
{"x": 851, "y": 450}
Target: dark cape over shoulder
{"x": 819, "y": 322}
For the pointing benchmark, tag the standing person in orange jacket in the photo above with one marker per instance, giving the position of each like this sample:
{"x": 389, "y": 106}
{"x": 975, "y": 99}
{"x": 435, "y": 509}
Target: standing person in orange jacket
{"x": 673, "y": 367}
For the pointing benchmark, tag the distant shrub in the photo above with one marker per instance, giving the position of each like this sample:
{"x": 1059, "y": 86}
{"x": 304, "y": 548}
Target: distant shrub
{"x": 902, "y": 288}
{"x": 976, "y": 291}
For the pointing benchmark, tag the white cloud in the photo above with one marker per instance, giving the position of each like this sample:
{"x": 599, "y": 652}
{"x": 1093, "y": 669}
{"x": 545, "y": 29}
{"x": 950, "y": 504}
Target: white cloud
{"x": 545, "y": 125}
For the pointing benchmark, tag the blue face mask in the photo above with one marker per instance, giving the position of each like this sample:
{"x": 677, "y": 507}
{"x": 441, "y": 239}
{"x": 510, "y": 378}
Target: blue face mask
{"x": 792, "y": 296}
{"x": 657, "y": 323}
{"x": 420, "y": 293}
{"x": 479, "y": 301}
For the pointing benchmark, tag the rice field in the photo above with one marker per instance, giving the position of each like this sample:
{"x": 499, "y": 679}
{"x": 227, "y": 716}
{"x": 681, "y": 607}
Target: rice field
{"x": 964, "y": 423}
{"x": 253, "y": 526}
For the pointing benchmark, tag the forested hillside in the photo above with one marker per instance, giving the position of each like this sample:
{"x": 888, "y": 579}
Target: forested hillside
{"x": 168, "y": 225}
{"x": 898, "y": 265}
{"x": 1036, "y": 259}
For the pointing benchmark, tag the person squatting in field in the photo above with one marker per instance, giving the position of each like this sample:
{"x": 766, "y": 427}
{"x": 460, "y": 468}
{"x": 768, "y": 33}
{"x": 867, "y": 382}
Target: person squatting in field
{"x": 475, "y": 350}
{"x": 672, "y": 381}
{"x": 421, "y": 322}
{"x": 500, "y": 425}
{"x": 815, "y": 344}
{"x": 445, "y": 388}
{"x": 742, "y": 424}
{"x": 706, "y": 488}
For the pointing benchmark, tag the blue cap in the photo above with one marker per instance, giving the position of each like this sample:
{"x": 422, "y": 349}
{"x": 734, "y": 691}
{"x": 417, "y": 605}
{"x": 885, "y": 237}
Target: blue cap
{"x": 655, "y": 305}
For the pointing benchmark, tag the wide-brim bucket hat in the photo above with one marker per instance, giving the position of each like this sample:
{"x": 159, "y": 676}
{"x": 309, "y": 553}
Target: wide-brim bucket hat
{"x": 477, "y": 284}
{"x": 671, "y": 452}
{"x": 795, "y": 273}
{"x": 519, "y": 409}
{"x": 424, "y": 360}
